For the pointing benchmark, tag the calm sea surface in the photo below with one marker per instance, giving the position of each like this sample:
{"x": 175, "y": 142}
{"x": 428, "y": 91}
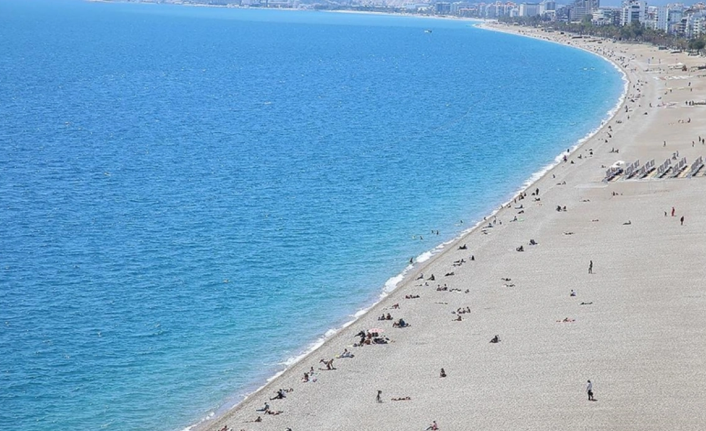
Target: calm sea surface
{"x": 189, "y": 197}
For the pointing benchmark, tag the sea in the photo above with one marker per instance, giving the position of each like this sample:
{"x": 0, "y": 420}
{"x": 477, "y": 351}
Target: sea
{"x": 191, "y": 198}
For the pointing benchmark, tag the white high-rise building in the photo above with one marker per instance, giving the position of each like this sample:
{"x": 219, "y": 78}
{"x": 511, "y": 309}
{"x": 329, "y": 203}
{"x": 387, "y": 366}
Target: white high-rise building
{"x": 663, "y": 19}
{"x": 547, "y": 6}
{"x": 529, "y": 9}
{"x": 700, "y": 26}
{"x": 633, "y": 10}
{"x": 674, "y": 17}
{"x": 580, "y": 8}
{"x": 652, "y": 17}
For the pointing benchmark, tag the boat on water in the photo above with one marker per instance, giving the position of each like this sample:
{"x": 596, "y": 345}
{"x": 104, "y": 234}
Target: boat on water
{"x": 427, "y": 31}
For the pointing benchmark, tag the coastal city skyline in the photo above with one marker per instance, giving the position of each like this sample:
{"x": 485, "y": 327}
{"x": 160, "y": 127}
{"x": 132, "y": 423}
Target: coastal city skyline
{"x": 680, "y": 19}
{"x": 379, "y": 3}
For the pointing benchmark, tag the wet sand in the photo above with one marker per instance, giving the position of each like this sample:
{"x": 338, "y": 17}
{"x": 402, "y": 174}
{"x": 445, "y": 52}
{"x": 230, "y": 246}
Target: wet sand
{"x": 640, "y": 335}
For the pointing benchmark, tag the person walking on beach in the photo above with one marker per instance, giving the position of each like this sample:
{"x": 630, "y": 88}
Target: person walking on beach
{"x": 672, "y": 211}
{"x": 590, "y": 267}
{"x": 378, "y": 398}
{"x": 589, "y": 391}
{"x": 682, "y": 220}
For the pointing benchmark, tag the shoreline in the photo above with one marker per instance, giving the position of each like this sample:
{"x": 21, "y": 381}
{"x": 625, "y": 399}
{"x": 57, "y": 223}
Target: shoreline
{"x": 624, "y": 333}
{"x": 404, "y": 278}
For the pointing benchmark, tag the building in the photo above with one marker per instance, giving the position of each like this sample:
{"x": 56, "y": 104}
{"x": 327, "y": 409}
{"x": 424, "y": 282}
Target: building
{"x": 529, "y": 9}
{"x": 674, "y": 25}
{"x": 458, "y": 6}
{"x": 663, "y": 19}
{"x": 699, "y": 26}
{"x": 580, "y": 8}
{"x": 547, "y": 6}
{"x": 633, "y": 11}
{"x": 498, "y": 9}
{"x": 442, "y": 8}
{"x": 606, "y": 16}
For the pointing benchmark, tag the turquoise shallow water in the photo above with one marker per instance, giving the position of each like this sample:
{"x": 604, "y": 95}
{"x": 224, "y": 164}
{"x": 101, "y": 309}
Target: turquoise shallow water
{"x": 189, "y": 197}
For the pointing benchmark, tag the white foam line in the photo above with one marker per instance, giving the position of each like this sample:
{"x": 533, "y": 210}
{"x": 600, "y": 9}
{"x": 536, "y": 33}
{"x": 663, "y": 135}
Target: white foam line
{"x": 609, "y": 115}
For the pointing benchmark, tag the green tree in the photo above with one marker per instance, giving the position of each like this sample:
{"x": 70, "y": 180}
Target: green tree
{"x": 697, "y": 44}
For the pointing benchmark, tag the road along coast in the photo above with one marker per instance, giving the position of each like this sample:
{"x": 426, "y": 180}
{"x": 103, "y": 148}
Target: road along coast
{"x": 580, "y": 279}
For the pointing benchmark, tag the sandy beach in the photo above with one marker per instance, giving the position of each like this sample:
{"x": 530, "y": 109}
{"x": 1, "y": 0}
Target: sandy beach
{"x": 629, "y": 249}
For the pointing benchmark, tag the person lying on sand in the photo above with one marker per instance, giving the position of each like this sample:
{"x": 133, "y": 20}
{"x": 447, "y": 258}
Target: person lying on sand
{"x": 346, "y": 354}
{"x": 411, "y": 296}
{"x": 271, "y": 412}
{"x": 566, "y": 320}
{"x": 402, "y": 399}
{"x": 279, "y": 395}
{"x": 400, "y": 324}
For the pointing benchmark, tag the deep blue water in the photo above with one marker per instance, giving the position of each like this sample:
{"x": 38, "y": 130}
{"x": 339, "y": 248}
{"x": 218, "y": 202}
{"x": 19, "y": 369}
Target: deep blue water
{"x": 191, "y": 196}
